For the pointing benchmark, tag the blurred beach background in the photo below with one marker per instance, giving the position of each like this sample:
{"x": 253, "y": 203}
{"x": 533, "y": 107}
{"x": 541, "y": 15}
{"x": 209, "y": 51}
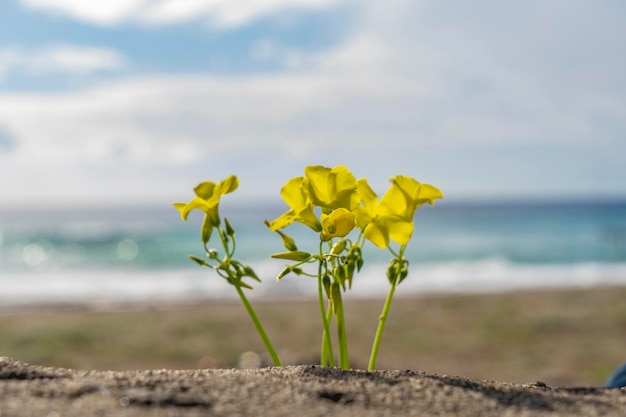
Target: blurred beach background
{"x": 122, "y": 255}
{"x": 111, "y": 111}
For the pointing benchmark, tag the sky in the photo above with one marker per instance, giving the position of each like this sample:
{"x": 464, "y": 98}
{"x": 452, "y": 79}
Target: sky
{"x": 134, "y": 102}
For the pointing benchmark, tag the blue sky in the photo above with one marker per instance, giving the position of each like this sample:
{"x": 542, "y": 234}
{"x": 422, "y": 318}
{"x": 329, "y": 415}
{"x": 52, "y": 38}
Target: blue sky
{"x": 135, "y": 101}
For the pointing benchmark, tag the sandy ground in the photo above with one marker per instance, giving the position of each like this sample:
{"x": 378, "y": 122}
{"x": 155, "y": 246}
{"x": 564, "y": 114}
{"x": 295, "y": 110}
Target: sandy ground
{"x": 563, "y": 338}
{"x": 306, "y": 390}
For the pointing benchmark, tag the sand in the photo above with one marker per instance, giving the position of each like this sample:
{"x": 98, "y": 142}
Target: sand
{"x": 563, "y": 338}
{"x": 305, "y": 390}
{"x": 567, "y": 339}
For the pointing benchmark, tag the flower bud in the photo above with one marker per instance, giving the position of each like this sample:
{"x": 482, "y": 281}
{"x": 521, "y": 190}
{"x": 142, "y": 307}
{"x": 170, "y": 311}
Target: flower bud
{"x": 338, "y": 247}
{"x": 230, "y": 231}
{"x": 286, "y": 270}
{"x": 199, "y": 261}
{"x": 292, "y": 256}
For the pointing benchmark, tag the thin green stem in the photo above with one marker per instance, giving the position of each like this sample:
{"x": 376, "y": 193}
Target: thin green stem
{"x": 381, "y": 326}
{"x": 233, "y": 248}
{"x": 328, "y": 348}
{"x": 326, "y": 354}
{"x": 259, "y": 327}
{"x": 383, "y": 316}
{"x": 342, "y": 340}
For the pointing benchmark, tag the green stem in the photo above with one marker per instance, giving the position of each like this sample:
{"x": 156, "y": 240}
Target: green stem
{"x": 383, "y": 316}
{"x": 326, "y": 356}
{"x": 381, "y": 326}
{"x": 344, "y": 361}
{"x": 259, "y": 327}
{"x": 331, "y": 354}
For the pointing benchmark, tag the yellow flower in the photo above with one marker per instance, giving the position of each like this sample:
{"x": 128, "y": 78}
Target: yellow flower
{"x": 331, "y": 188}
{"x": 207, "y": 199}
{"x": 380, "y": 219}
{"x": 327, "y": 188}
{"x": 392, "y": 216}
{"x": 337, "y": 224}
{"x": 301, "y": 207}
{"x": 416, "y": 194}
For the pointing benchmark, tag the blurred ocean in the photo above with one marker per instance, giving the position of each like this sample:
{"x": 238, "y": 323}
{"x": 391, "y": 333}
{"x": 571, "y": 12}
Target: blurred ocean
{"x": 140, "y": 255}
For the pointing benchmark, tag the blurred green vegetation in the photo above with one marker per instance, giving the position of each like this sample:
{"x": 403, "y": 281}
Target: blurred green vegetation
{"x": 574, "y": 337}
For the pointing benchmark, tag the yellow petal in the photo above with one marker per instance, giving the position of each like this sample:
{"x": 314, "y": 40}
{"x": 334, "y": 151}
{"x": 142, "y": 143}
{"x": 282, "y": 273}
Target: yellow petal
{"x": 407, "y": 184}
{"x": 417, "y": 193}
{"x": 337, "y": 224}
{"x": 317, "y": 184}
{"x": 331, "y": 188}
{"x": 343, "y": 188}
{"x": 205, "y": 189}
{"x": 282, "y": 221}
{"x": 307, "y": 216}
{"x": 179, "y": 206}
{"x": 428, "y": 194}
{"x": 362, "y": 216}
{"x": 400, "y": 231}
{"x": 229, "y": 184}
{"x": 196, "y": 203}
{"x": 293, "y": 194}
{"x": 378, "y": 234}
{"x": 225, "y": 186}
{"x": 395, "y": 203}
{"x": 368, "y": 197}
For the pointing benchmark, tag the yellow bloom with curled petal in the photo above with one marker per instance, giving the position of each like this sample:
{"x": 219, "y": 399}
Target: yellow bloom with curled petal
{"x": 392, "y": 216}
{"x": 300, "y": 207}
{"x": 416, "y": 193}
{"x": 338, "y": 223}
{"x": 331, "y": 188}
{"x": 380, "y": 220}
{"x": 207, "y": 199}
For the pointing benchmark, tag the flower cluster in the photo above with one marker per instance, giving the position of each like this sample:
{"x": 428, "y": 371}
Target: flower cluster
{"x": 346, "y": 203}
{"x": 207, "y": 199}
{"x": 208, "y": 195}
{"x": 333, "y": 203}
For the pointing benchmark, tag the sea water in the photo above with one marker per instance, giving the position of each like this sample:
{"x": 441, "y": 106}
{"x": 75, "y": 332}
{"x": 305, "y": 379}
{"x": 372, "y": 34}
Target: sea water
{"x": 124, "y": 254}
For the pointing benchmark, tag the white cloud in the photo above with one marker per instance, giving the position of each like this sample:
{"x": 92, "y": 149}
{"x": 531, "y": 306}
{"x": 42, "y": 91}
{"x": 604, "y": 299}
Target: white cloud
{"x": 55, "y": 59}
{"x": 101, "y": 12}
{"x": 424, "y": 95}
{"x": 221, "y": 13}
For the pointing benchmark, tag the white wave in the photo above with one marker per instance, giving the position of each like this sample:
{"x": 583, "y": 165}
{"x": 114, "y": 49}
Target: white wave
{"x": 144, "y": 286}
